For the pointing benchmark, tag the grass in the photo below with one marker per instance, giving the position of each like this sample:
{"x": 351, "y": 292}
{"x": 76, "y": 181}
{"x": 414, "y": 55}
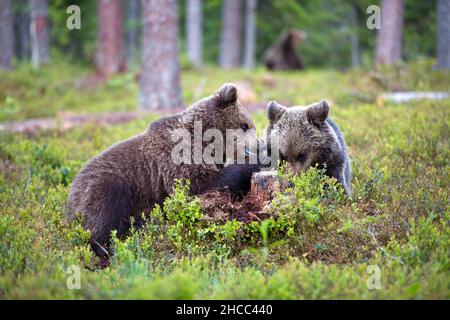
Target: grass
{"x": 27, "y": 93}
{"x": 319, "y": 246}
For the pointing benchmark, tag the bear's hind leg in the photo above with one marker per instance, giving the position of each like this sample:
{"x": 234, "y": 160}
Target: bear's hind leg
{"x": 111, "y": 207}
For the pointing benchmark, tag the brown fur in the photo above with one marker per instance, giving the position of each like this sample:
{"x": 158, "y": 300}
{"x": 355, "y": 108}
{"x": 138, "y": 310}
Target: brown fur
{"x": 283, "y": 55}
{"x": 306, "y": 137}
{"x": 133, "y": 175}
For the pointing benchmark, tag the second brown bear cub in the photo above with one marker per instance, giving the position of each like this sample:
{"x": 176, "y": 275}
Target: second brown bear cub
{"x": 307, "y": 137}
{"x": 133, "y": 175}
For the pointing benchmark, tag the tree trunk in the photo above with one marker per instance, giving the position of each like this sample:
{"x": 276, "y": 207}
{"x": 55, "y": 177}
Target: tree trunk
{"x": 443, "y": 34}
{"x": 160, "y": 72}
{"x": 356, "y": 56}
{"x": 132, "y": 30}
{"x": 39, "y": 33}
{"x": 22, "y": 27}
{"x": 389, "y": 37}
{"x": 263, "y": 186}
{"x": 231, "y": 33}
{"x": 250, "y": 34}
{"x": 6, "y": 35}
{"x": 194, "y": 22}
{"x": 110, "y": 57}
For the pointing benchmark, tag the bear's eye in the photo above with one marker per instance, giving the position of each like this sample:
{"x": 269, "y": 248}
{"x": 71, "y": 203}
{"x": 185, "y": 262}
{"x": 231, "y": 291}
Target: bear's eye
{"x": 301, "y": 157}
{"x": 245, "y": 127}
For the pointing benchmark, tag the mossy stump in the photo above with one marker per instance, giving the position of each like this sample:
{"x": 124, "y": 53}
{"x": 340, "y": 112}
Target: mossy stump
{"x": 264, "y": 185}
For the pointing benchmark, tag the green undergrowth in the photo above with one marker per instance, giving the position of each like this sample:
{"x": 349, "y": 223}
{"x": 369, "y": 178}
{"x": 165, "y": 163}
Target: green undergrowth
{"x": 67, "y": 87}
{"x": 390, "y": 239}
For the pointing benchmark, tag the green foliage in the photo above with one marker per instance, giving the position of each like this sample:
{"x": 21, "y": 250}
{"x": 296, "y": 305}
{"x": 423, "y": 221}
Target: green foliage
{"x": 302, "y": 201}
{"x": 328, "y": 24}
{"x": 314, "y": 244}
{"x": 183, "y": 217}
{"x": 65, "y": 87}
{"x": 425, "y": 238}
{"x": 81, "y": 43}
{"x": 9, "y": 108}
{"x": 181, "y": 225}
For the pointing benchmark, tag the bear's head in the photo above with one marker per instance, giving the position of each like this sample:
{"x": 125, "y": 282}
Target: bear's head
{"x": 302, "y": 134}
{"x": 223, "y": 112}
{"x": 228, "y": 110}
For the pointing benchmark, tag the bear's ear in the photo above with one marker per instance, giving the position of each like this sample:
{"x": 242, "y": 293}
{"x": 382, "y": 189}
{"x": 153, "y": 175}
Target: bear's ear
{"x": 275, "y": 111}
{"x": 227, "y": 94}
{"x": 318, "y": 112}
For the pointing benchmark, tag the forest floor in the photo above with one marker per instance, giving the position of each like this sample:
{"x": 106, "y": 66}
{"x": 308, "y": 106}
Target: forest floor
{"x": 391, "y": 239}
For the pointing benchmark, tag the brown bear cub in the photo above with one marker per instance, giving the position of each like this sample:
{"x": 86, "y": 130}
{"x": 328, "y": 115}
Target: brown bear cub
{"x": 133, "y": 175}
{"x": 306, "y": 137}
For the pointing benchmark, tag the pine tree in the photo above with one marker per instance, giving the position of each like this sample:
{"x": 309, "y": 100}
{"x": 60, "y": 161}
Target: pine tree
{"x": 231, "y": 34}
{"x": 39, "y": 33}
{"x": 194, "y": 32}
{"x": 110, "y": 56}
{"x": 250, "y": 34}
{"x": 6, "y": 35}
{"x": 443, "y": 34}
{"x": 160, "y": 71}
{"x": 389, "y": 37}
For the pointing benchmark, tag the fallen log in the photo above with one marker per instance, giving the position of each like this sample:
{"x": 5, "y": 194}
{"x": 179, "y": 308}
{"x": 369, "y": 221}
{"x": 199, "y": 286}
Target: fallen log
{"x": 406, "y": 96}
{"x": 67, "y": 121}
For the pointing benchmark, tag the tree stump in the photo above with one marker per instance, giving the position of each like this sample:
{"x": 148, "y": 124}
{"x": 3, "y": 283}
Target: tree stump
{"x": 264, "y": 185}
